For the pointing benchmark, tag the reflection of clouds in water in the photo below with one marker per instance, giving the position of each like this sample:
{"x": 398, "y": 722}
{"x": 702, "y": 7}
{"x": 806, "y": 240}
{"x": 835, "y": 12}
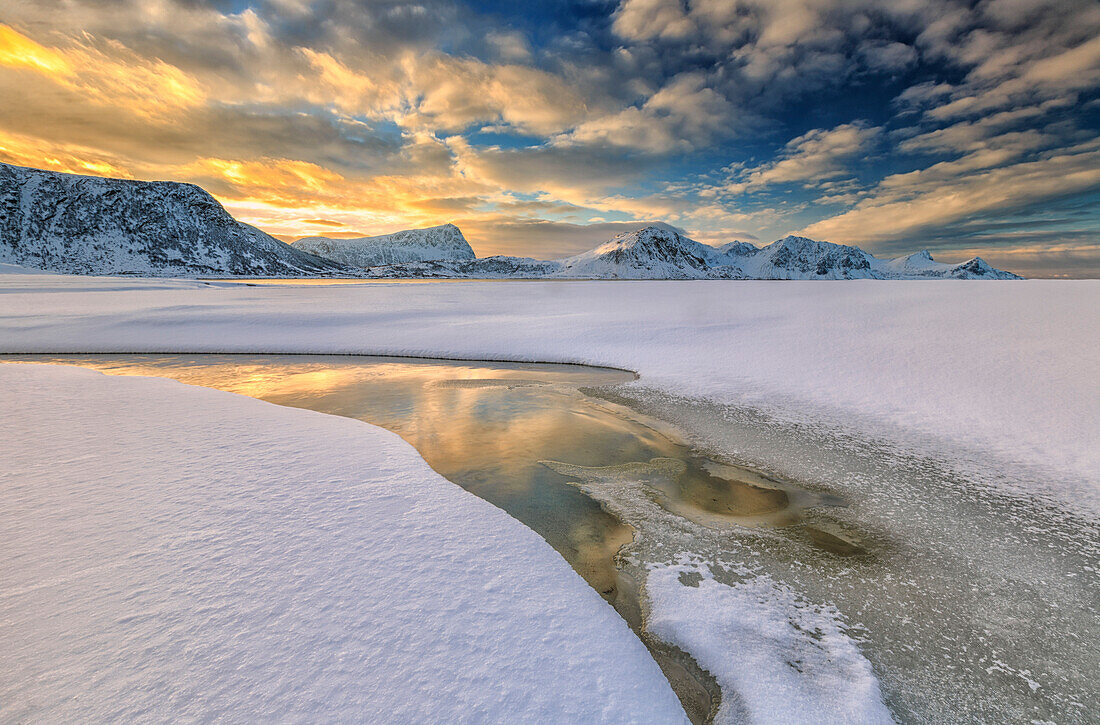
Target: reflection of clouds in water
{"x": 688, "y": 489}
{"x": 596, "y": 541}
{"x": 485, "y": 383}
{"x": 482, "y": 426}
{"x": 479, "y": 424}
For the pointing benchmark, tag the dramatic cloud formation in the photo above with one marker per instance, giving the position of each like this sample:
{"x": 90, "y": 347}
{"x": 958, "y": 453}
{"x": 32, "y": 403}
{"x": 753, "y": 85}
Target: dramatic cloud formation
{"x": 965, "y": 127}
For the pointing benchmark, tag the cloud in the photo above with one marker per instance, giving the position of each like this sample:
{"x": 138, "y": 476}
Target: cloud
{"x": 363, "y": 117}
{"x": 904, "y": 205}
{"x": 889, "y": 56}
{"x": 574, "y": 174}
{"x": 22, "y": 150}
{"x": 811, "y": 158}
{"x": 542, "y": 238}
{"x": 108, "y": 75}
{"x": 439, "y": 93}
{"x": 509, "y": 45}
{"x": 684, "y": 114}
{"x": 1052, "y": 259}
{"x": 768, "y": 51}
{"x": 1014, "y": 54}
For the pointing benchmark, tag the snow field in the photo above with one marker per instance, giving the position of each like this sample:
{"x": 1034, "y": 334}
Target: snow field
{"x": 1003, "y": 370}
{"x": 179, "y": 553}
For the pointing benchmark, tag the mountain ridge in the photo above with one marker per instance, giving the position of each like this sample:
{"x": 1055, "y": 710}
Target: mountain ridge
{"x": 660, "y": 253}
{"x": 442, "y": 242}
{"x": 79, "y": 224}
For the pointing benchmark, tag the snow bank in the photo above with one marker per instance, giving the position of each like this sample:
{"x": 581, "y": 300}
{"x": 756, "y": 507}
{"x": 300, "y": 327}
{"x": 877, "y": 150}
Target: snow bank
{"x": 1005, "y": 369}
{"x": 178, "y": 553}
{"x": 753, "y": 639}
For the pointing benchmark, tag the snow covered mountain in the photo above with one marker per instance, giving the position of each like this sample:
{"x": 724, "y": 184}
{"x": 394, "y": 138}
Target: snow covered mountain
{"x": 658, "y": 253}
{"x": 649, "y": 253}
{"x": 661, "y": 253}
{"x": 740, "y": 249}
{"x": 799, "y": 258}
{"x": 444, "y": 242}
{"x": 921, "y": 264}
{"x": 92, "y": 225}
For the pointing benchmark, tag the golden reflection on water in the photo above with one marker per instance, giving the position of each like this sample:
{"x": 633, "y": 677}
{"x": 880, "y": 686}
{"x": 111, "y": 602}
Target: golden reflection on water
{"x": 516, "y": 435}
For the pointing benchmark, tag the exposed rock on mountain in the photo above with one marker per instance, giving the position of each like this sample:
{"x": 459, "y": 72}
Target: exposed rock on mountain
{"x": 657, "y": 253}
{"x": 738, "y": 249}
{"x": 443, "y": 242}
{"x": 661, "y": 253}
{"x": 649, "y": 253}
{"x": 799, "y": 258}
{"x": 91, "y": 225}
{"x": 485, "y": 268}
{"x": 921, "y": 265}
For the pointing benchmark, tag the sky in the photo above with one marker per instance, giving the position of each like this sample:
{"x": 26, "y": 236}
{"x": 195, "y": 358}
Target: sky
{"x": 541, "y": 129}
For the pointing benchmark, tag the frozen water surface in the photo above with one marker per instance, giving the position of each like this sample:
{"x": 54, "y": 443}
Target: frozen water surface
{"x": 973, "y": 605}
{"x": 881, "y": 577}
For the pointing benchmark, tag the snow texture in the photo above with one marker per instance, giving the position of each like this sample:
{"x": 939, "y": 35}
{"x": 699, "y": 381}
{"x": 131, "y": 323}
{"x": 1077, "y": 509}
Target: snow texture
{"x": 788, "y": 660}
{"x": 91, "y": 225}
{"x": 18, "y": 269}
{"x": 174, "y": 553}
{"x": 443, "y": 242}
{"x": 1004, "y": 369}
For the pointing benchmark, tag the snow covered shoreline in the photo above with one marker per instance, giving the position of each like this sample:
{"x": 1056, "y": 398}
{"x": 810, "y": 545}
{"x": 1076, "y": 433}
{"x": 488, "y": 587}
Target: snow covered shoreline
{"x": 1003, "y": 369}
{"x": 238, "y": 558}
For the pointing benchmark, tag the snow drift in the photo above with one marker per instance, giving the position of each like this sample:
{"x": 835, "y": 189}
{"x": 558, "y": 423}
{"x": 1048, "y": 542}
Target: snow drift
{"x": 315, "y": 569}
{"x": 91, "y": 225}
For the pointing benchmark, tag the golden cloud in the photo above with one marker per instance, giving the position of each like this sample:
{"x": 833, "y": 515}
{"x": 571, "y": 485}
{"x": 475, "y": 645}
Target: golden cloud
{"x": 67, "y": 158}
{"x": 109, "y": 74}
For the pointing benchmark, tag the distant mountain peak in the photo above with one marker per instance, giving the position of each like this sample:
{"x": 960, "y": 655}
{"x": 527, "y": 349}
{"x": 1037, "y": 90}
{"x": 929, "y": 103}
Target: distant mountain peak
{"x": 657, "y": 252}
{"x": 430, "y": 244}
{"x": 738, "y": 248}
{"x": 92, "y": 225}
{"x": 921, "y": 265}
{"x": 979, "y": 268}
{"x": 652, "y": 252}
